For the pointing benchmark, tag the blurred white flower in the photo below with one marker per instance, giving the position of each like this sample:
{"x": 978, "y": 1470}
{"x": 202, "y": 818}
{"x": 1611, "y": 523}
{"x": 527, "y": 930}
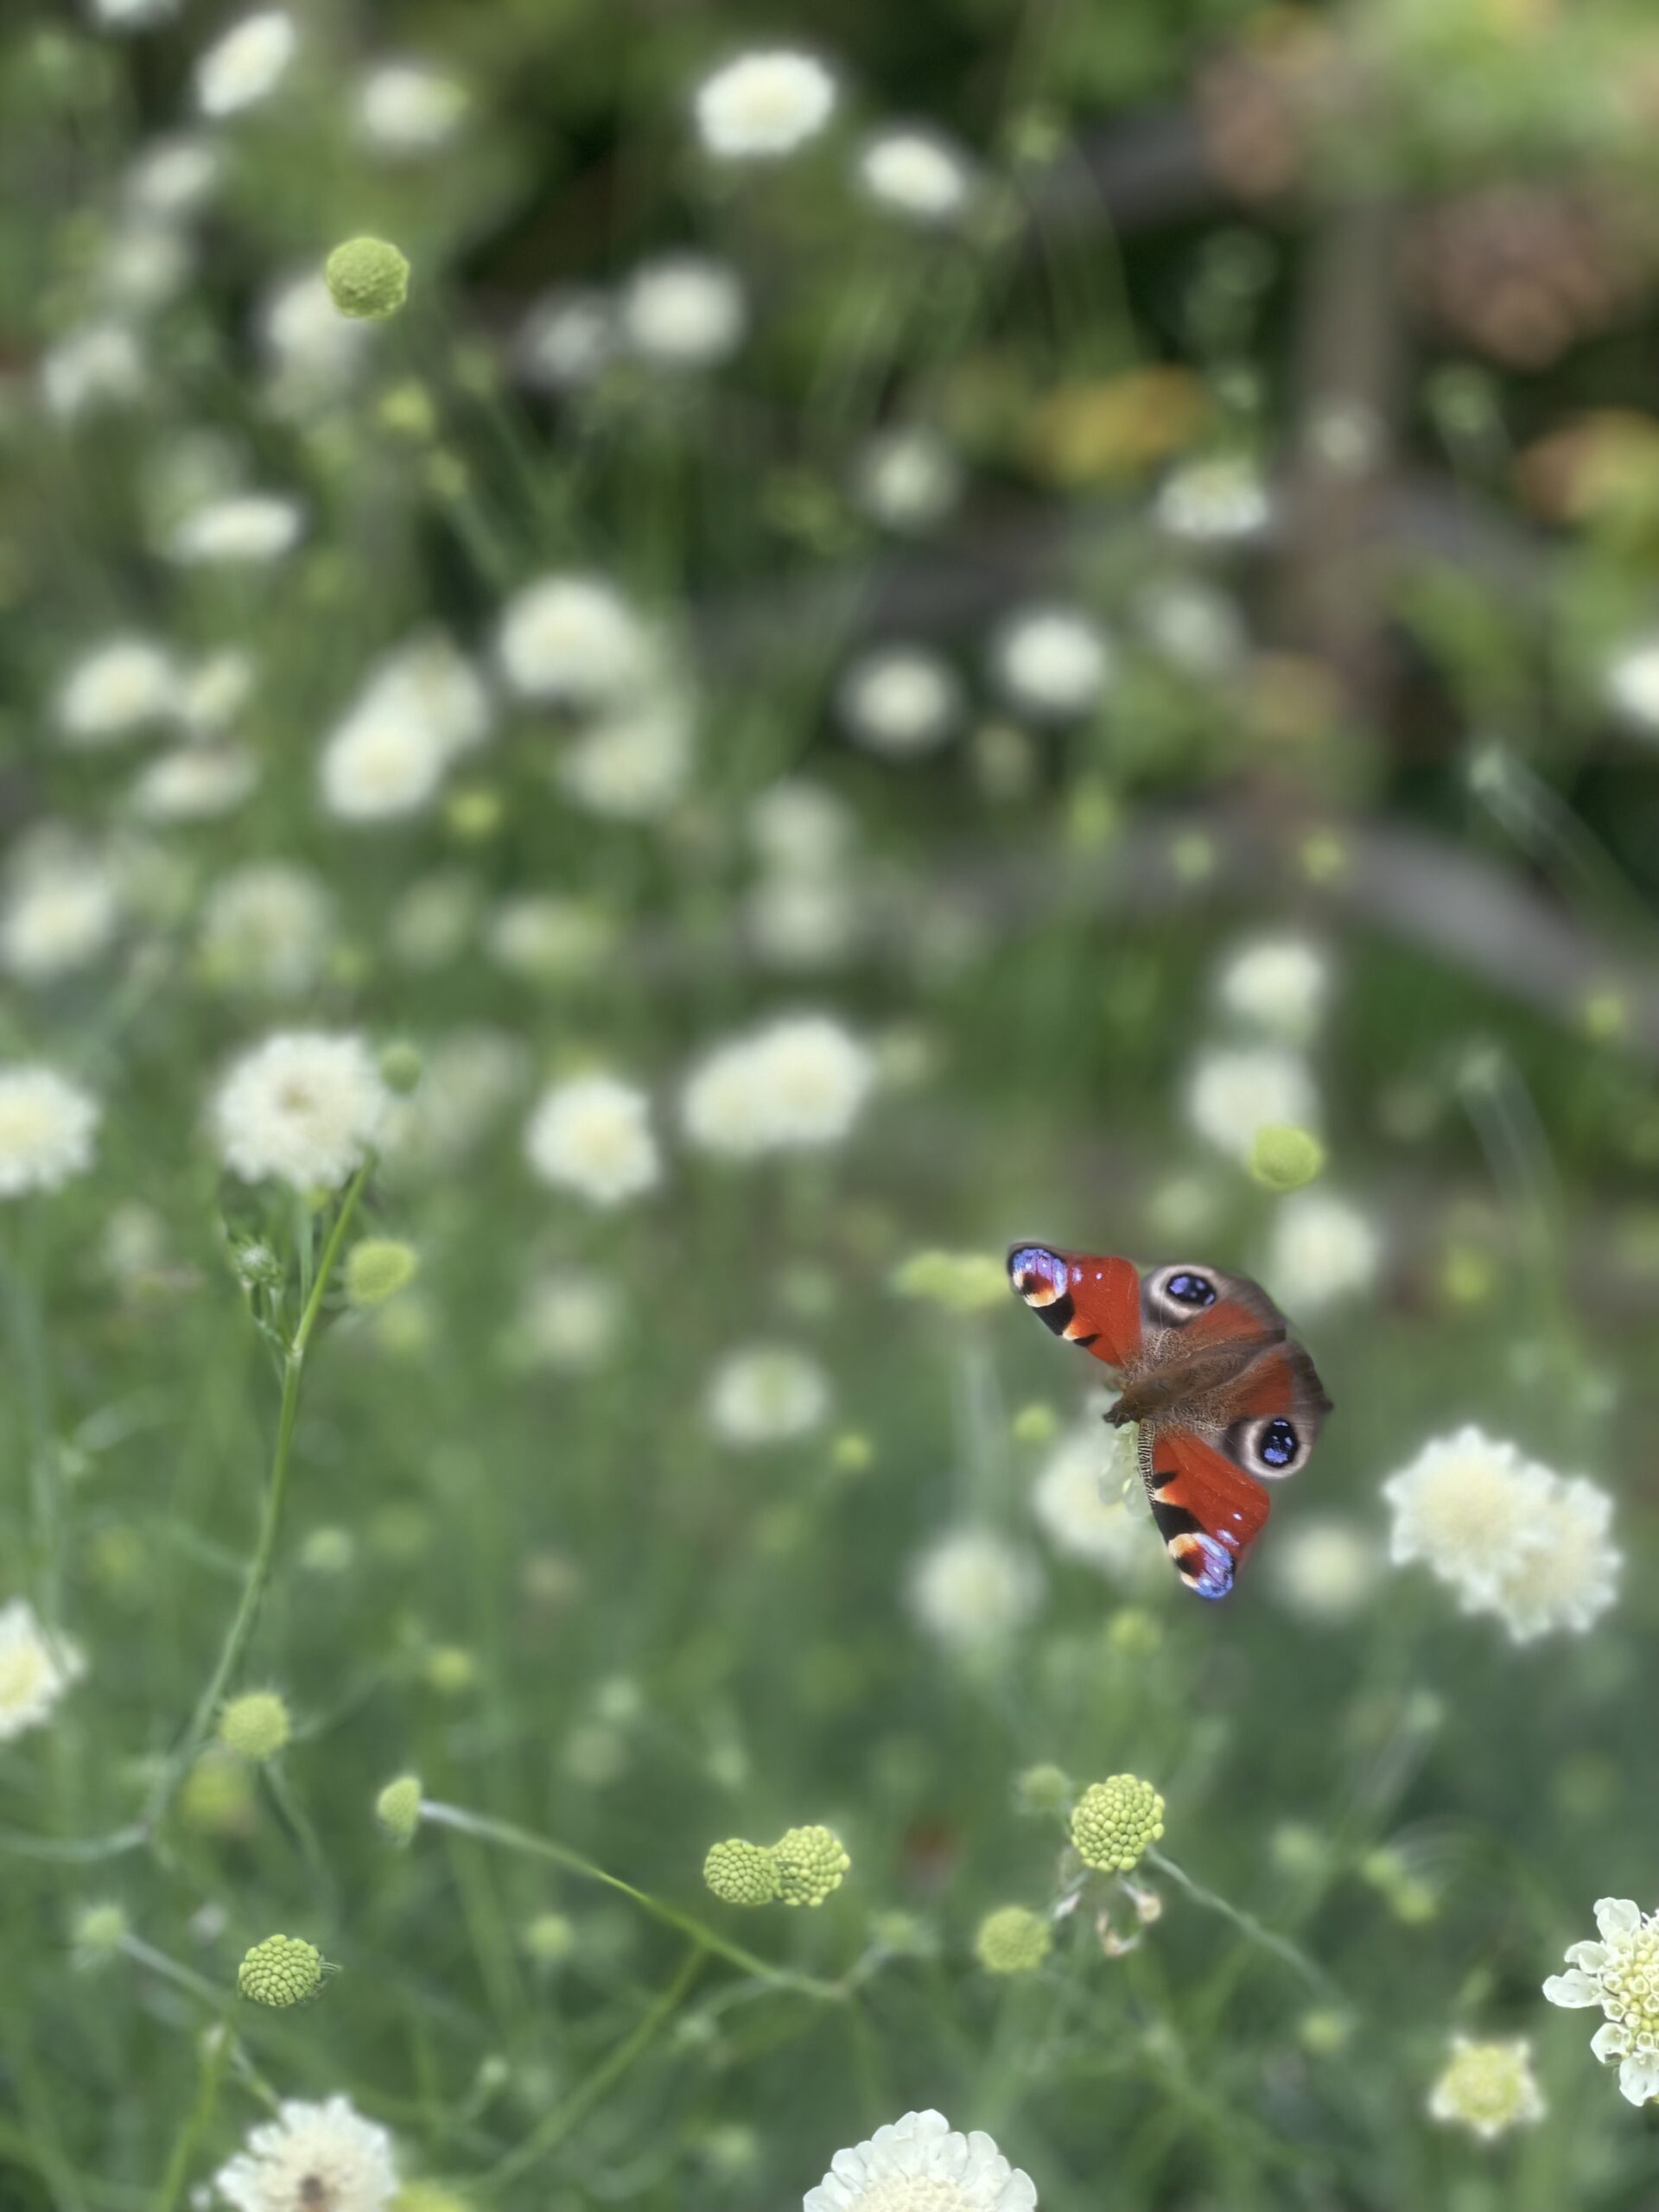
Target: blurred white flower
{"x": 172, "y": 176}
{"x": 314, "y": 353}
{"x": 797, "y": 1084}
{"x": 468, "y": 1078}
{"x": 312, "y": 2157}
{"x": 246, "y": 528}
{"x": 635, "y": 764}
{"x": 1081, "y": 1504}
{"x": 1232, "y": 1094}
{"x": 920, "y": 2164}
{"x": 899, "y": 701}
{"x": 1192, "y": 626}
{"x": 971, "y": 1588}
{"x": 908, "y": 478}
{"x": 764, "y": 105}
{"x": 247, "y": 63}
{"x": 133, "y": 14}
{"x": 916, "y": 172}
{"x": 61, "y": 909}
{"x": 34, "y": 1672}
{"x": 97, "y": 367}
{"x": 574, "y": 640}
{"x": 682, "y": 312}
{"x": 567, "y": 339}
{"x": 1620, "y": 1973}
{"x": 548, "y": 939}
{"x": 1321, "y": 1249}
{"x": 47, "y": 1126}
{"x": 144, "y": 264}
{"x": 195, "y": 783}
{"x": 381, "y": 767}
{"x": 568, "y": 1320}
{"x": 1219, "y": 501}
{"x": 266, "y": 927}
{"x": 1324, "y": 1569}
{"x": 409, "y": 108}
{"x": 802, "y": 922}
{"x": 799, "y": 828}
{"x": 1487, "y": 2087}
{"x": 592, "y": 1135}
{"x": 1053, "y": 661}
{"x": 433, "y": 921}
{"x": 1280, "y": 984}
{"x": 767, "y": 1394}
{"x": 1630, "y": 683}
{"x": 1568, "y": 1574}
{"x": 304, "y": 1106}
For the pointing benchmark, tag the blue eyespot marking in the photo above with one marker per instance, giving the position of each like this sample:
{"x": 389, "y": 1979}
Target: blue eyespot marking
{"x": 1191, "y": 1290}
{"x": 1203, "y": 1564}
{"x": 1037, "y": 1274}
{"x": 1278, "y": 1444}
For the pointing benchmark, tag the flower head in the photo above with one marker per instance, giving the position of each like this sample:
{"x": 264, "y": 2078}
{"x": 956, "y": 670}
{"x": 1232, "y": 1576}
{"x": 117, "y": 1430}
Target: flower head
{"x": 574, "y": 639}
{"x": 125, "y": 684}
{"x": 1279, "y": 984}
{"x": 377, "y": 1267}
{"x": 283, "y": 1970}
{"x": 1283, "y": 1158}
{"x": 367, "y": 279}
{"x": 899, "y": 701}
{"x": 1621, "y": 1975}
{"x": 592, "y": 1135}
{"x": 683, "y": 312}
{"x": 1233, "y": 1095}
{"x": 766, "y": 1395}
{"x": 256, "y": 1724}
{"x": 1080, "y": 1504}
{"x": 247, "y": 63}
{"x": 304, "y": 1107}
{"x": 764, "y": 105}
{"x": 34, "y": 1672}
{"x": 1012, "y": 1940}
{"x": 397, "y": 1807}
{"x": 265, "y": 928}
{"x": 797, "y": 1085}
{"x": 1322, "y": 1249}
{"x": 810, "y": 1862}
{"x": 1053, "y": 661}
{"x": 741, "y": 1873}
{"x": 311, "y": 2155}
{"x": 47, "y": 1125}
{"x": 406, "y": 107}
{"x": 1487, "y": 2087}
{"x": 920, "y": 2164}
{"x": 972, "y": 1589}
{"x": 1115, "y": 1821}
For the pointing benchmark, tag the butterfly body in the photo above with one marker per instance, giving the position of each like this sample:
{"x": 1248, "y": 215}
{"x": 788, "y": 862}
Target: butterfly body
{"x": 1223, "y": 1396}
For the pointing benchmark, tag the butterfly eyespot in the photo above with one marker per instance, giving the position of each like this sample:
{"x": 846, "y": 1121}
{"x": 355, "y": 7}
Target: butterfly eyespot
{"x": 1189, "y": 1289}
{"x": 1278, "y": 1443}
{"x": 1037, "y": 1274}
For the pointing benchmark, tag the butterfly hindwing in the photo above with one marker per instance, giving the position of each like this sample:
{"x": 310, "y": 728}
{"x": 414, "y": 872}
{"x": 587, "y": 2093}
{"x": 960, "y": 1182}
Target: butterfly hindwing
{"x": 1209, "y": 1512}
{"x": 1091, "y": 1300}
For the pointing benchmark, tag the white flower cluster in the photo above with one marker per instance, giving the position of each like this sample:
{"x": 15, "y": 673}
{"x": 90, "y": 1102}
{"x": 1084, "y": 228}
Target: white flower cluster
{"x": 303, "y": 1107}
{"x": 921, "y": 2163}
{"x": 803, "y": 910}
{"x": 311, "y": 2154}
{"x": 34, "y": 1670}
{"x": 422, "y": 707}
{"x": 767, "y": 1394}
{"x": 1619, "y": 1973}
{"x": 971, "y": 1589}
{"x": 799, "y": 1084}
{"x": 1087, "y": 1500}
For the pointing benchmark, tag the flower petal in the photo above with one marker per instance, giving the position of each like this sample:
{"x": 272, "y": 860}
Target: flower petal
{"x": 1610, "y": 2041}
{"x": 1572, "y": 1989}
{"x": 1639, "y": 2079}
{"x": 1616, "y": 1917}
{"x": 1590, "y": 1956}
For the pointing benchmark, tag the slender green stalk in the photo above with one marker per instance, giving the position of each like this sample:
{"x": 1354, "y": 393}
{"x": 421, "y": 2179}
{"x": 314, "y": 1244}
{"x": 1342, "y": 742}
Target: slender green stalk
{"x": 1247, "y": 1924}
{"x": 215, "y": 2049}
{"x": 45, "y": 1474}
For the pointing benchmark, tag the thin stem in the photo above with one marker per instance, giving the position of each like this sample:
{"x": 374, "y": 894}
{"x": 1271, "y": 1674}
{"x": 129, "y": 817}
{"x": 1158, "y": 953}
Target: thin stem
{"x": 1247, "y": 1924}
{"x": 215, "y": 2051}
{"x": 73, "y": 1851}
{"x": 513, "y": 1837}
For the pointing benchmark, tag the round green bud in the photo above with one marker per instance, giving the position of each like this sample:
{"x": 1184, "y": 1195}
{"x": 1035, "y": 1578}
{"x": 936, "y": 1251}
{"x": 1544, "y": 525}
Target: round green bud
{"x": 367, "y": 279}
{"x": 550, "y": 1937}
{"x": 283, "y": 1970}
{"x": 215, "y": 1798}
{"x": 810, "y": 1863}
{"x": 451, "y": 1670}
{"x": 1044, "y": 1788}
{"x": 258, "y": 1267}
{"x": 1284, "y": 1159}
{"x": 1035, "y": 1423}
{"x": 397, "y": 1807}
{"x": 255, "y": 1725}
{"x": 97, "y": 1933}
{"x": 1115, "y": 1821}
{"x": 400, "y": 1067}
{"x": 741, "y": 1873}
{"x": 1013, "y": 1941}
{"x": 377, "y": 1267}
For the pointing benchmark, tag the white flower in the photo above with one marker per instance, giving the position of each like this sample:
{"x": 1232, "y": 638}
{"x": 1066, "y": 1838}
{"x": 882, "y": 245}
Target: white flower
{"x": 1324, "y": 1569}
{"x": 143, "y": 265}
{"x": 98, "y": 367}
{"x": 908, "y": 478}
{"x": 245, "y": 529}
{"x": 408, "y": 108}
{"x": 1219, "y": 501}
{"x": 315, "y": 354}
{"x": 919, "y": 2164}
{"x": 1192, "y": 626}
{"x": 634, "y": 765}
{"x": 1630, "y": 683}
{"x": 127, "y": 683}
{"x": 565, "y": 339}
{"x": 797, "y": 1084}
{"x": 1232, "y": 1094}
{"x": 1321, "y": 1249}
{"x": 1568, "y": 1574}
{"x": 916, "y": 172}
{"x": 683, "y": 312}
{"x": 568, "y": 1320}
{"x": 133, "y": 14}
{"x": 1621, "y": 1975}
{"x": 34, "y": 1672}
{"x": 799, "y": 828}
{"x": 972, "y": 1588}
{"x": 61, "y": 911}
{"x": 380, "y": 767}
{"x": 801, "y": 922}
{"x": 1053, "y": 661}
{"x": 899, "y": 701}
{"x": 1487, "y": 2087}
{"x": 265, "y": 927}
{"x": 195, "y": 783}
{"x": 47, "y": 1125}
{"x": 592, "y": 1135}
{"x": 764, "y": 105}
{"x": 304, "y": 1106}
{"x": 573, "y": 639}
{"x": 1280, "y": 984}
{"x": 1080, "y": 1501}
{"x": 766, "y": 1394}
{"x": 547, "y": 937}
{"x": 172, "y": 176}
{"x": 247, "y": 63}
{"x": 324, "y": 2157}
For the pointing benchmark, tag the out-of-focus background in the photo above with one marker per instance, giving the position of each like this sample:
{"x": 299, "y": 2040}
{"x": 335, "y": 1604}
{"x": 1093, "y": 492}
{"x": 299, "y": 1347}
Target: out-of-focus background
{"x": 932, "y": 625}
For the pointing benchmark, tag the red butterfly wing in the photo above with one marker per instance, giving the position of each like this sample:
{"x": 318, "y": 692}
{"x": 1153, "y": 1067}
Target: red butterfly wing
{"x": 1091, "y": 1301}
{"x": 1209, "y": 1512}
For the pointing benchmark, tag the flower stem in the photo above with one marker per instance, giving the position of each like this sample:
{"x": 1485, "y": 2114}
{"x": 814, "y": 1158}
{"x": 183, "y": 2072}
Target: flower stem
{"x": 215, "y": 2051}
{"x": 1246, "y": 1924}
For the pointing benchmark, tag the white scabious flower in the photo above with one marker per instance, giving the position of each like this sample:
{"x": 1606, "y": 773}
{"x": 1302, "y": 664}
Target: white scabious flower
{"x": 900, "y": 700}
{"x": 568, "y": 338}
{"x": 635, "y": 763}
{"x": 1488, "y": 2087}
{"x": 916, "y": 174}
{"x": 305, "y": 1107}
{"x": 1279, "y": 984}
{"x": 574, "y": 640}
{"x": 764, "y": 105}
{"x": 1192, "y": 626}
{"x": 172, "y": 177}
{"x": 972, "y": 1589}
{"x": 799, "y": 828}
{"x": 47, "y": 1126}
{"x": 568, "y": 1320}
{"x": 1215, "y": 502}
{"x": 1324, "y": 1570}
{"x": 797, "y": 1084}
{"x": 1232, "y": 1094}
{"x": 682, "y": 312}
{"x": 1569, "y": 1575}
{"x": 377, "y": 767}
{"x": 592, "y": 1135}
{"x": 245, "y": 530}
{"x": 767, "y": 1394}
{"x": 406, "y": 108}
{"x": 1053, "y": 662}
{"x": 34, "y": 1672}
{"x": 920, "y": 2164}
{"x": 60, "y": 912}
{"x": 266, "y": 928}
{"x": 1322, "y": 1249}
{"x": 125, "y": 684}
{"x": 98, "y": 366}
{"x": 1631, "y": 686}
{"x": 908, "y": 478}
{"x": 195, "y": 783}
{"x": 1620, "y": 1973}
{"x": 313, "y": 353}
{"x": 1083, "y": 1508}
{"x": 312, "y": 2157}
{"x": 133, "y": 14}
{"x": 247, "y": 63}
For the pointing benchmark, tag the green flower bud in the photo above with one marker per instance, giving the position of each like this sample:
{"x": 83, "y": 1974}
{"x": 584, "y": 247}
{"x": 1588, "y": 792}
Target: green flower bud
{"x": 367, "y": 279}
{"x": 400, "y": 1067}
{"x": 550, "y": 1937}
{"x": 1013, "y": 1941}
{"x": 377, "y": 1267}
{"x": 1043, "y": 1789}
{"x": 1115, "y": 1821}
{"x": 258, "y": 1267}
{"x": 451, "y": 1670}
{"x": 1035, "y": 1423}
{"x": 283, "y": 1970}
{"x": 327, "y": 1551}
{"x": 741, "y": 1873}
{"x": 810, "y": 1863}
{"x": 255, "y": 1725}
{"x": 1283, "y": 1158}
{"x": 97, "y": 1934}
{"x": 397, "y": 1807}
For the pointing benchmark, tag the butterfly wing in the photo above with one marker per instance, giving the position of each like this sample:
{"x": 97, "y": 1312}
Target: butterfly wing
{"x": 1090, "y": 1300}
{"x": 1208, "y": 1511}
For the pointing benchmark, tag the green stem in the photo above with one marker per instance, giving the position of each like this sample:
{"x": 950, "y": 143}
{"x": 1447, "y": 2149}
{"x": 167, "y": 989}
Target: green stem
{"x": 511, "y": 1838}
{"x": 258, "y": 1573}
{"x": 45, "y": 1473}
{"x": 1247, "y": 1924}
{"x": 215, "y": 2049}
